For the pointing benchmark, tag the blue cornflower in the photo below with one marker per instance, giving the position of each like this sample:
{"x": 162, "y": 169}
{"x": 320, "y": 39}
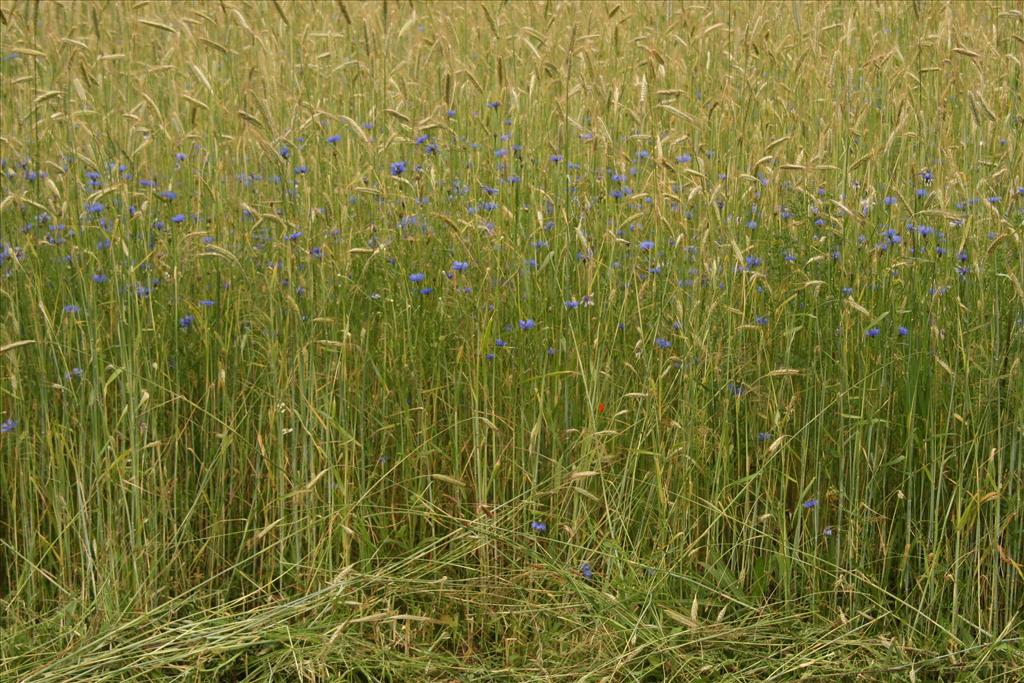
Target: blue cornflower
{"x": 902, "y": 331}
{"x": 872, "y": 332}
{"x": 207, "y": 302}
{"x": 8, "y": 425}
{"x": 72, "y": 308}
{"x": 586, "y": 571}
{"x": 293, "y": 236}
{"x": 333, "y": 138}
{"x": 284, "y": 152}
{"x": 493, "y": 105}
{"x": 761, "y": 319}
{"x": 397, "y": 168}
{"x": 489, "y": 356}
{"x": 752, "y": 261}
{"x": 764, "y": 436}
{"x": 572, "y": 304}
{"x": 662, "y": 343}
{"x": 459, "y": 266}
{"x": 186, "y": 322}
{"x": 646, "y": 245}
{"x": 417, "y": 277}
{"x": 539, "y": 527}
{"x": 501, "y": 343}
{"x": 555, "y": 158}
{"x": 451, "y": 113}
{"x": 178, "y": 218}
{"x": 94, "y": 207}
{"x": 527, "y": 324}
{"x": 99, "y": 278}
{"x": 808, "y": 504}
{"x": 168, "y": 195}
{"x": 423, "y": 138}
{"x": 180, "y": 156}
{"x": 426, "y": 290}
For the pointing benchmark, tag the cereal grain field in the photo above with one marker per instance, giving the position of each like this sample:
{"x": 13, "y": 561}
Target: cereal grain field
{"x": 511, "y": 341}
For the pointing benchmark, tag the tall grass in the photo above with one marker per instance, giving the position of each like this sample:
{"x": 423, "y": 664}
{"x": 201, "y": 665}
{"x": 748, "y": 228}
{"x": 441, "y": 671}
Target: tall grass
{"x": 757, "y": 410}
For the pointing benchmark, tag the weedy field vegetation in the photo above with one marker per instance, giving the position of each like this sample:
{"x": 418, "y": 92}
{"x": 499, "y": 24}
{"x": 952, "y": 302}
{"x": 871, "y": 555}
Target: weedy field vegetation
{"x": 511, "y": 341}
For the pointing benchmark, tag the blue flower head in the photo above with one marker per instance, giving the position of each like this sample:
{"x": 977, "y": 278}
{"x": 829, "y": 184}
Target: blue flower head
{"x": 397, "y": 168}
{"x": 417, "y": 277}
{"x": 539, "y": 527}
{"x": 527, "y": 324}
{"x": 8, "y": 425}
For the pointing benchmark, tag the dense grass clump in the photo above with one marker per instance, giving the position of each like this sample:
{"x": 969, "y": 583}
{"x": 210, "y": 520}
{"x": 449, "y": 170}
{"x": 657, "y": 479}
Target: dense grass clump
{"x": 522, "y": 341}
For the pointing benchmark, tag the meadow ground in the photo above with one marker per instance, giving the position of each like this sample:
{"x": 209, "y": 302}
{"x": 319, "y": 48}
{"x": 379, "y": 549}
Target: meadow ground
{"x": 511, "y": 341}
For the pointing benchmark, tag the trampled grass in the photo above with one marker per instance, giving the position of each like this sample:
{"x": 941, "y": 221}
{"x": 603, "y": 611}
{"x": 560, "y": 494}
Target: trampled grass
{"x": 521, "y": 341}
